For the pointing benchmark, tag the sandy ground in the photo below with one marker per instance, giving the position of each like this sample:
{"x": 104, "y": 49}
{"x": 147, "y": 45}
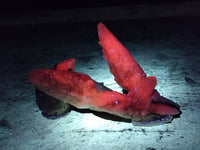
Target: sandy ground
{"x": 167, "y": 48}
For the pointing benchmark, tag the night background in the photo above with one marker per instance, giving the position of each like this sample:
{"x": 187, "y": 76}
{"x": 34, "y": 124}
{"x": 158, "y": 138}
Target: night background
{"x": 163, "y": 37}
{"x": 35, "y": 5}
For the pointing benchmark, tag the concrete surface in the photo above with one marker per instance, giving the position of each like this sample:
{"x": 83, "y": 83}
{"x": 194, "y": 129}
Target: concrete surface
{"x": 167, "y": 48}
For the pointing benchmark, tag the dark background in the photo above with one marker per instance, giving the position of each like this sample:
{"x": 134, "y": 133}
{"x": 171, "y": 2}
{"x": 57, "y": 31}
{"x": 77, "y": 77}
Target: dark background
{"x": 35, "y": 5}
